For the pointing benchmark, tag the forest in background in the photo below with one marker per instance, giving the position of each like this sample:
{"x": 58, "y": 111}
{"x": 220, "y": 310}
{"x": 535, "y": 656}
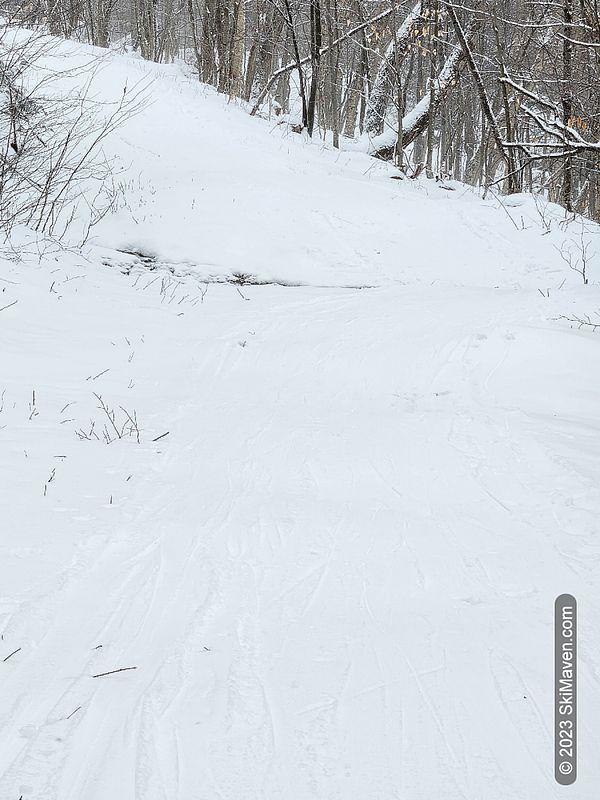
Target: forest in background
{"x": 503, "y": 94}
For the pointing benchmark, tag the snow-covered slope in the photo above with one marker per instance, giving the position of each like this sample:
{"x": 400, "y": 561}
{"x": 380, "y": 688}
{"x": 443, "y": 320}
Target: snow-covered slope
{"x": 333, "y": 554}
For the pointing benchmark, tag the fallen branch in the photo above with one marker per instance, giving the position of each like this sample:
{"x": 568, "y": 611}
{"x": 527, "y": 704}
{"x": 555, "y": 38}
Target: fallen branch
{"x": 416, "y": 120}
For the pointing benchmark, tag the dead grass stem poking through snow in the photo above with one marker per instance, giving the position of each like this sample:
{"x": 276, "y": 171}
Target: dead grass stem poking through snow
{"x": 120, "y": 424}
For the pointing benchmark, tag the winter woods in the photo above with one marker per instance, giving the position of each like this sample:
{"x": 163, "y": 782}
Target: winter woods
{"x": 504, "y": 94}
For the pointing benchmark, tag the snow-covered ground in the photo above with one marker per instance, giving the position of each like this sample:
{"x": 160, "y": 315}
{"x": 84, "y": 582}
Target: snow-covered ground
{"x": 333, "y": 554}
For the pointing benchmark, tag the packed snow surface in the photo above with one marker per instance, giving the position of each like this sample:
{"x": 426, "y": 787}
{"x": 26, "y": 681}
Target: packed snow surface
{"x": 332, "y": 556}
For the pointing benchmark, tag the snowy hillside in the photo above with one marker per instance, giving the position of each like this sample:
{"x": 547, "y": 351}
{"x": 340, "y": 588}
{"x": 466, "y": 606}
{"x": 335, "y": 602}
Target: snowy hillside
{"x": 319, "y": 528}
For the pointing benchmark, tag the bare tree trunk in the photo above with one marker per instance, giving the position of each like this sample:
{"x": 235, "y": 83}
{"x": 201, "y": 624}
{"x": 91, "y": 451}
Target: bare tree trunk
{"x": 333, "y": 70}
{"x": 352, "y": 101}
{"x": 315, "y": 56}
{"x": 433, "y": 47}
{"x": 193, "y": 26}
{"x": 301, "y": 81}
{"x": 567, "y": 98}
{"x": 238, "y": 50}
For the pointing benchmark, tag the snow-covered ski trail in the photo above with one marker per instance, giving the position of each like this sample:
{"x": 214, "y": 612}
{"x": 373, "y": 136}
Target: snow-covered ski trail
{"x": 334, "y": 574}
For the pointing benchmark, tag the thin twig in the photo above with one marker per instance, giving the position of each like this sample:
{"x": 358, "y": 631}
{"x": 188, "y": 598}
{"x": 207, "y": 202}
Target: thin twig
{"x": 112, "y": 672}
{"x": 586, "y": 322}
{"x": 11, "y": 654}
{"x": 104, "y": 371}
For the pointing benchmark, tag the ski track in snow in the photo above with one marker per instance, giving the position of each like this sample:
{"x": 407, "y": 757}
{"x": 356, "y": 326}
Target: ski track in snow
{"x": 335, "y": 575}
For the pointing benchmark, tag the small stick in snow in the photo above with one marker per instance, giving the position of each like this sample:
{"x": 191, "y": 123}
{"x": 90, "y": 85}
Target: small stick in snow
{"x": 14, "y": 303}
{"x": 73, "y": 712}
{"x": 104, "y": 371}
{"x": 32, "y": 407}
{"x": 162, "y": 436}
{"x": 11, "y": 654}
{"x": 112, "y": 672}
